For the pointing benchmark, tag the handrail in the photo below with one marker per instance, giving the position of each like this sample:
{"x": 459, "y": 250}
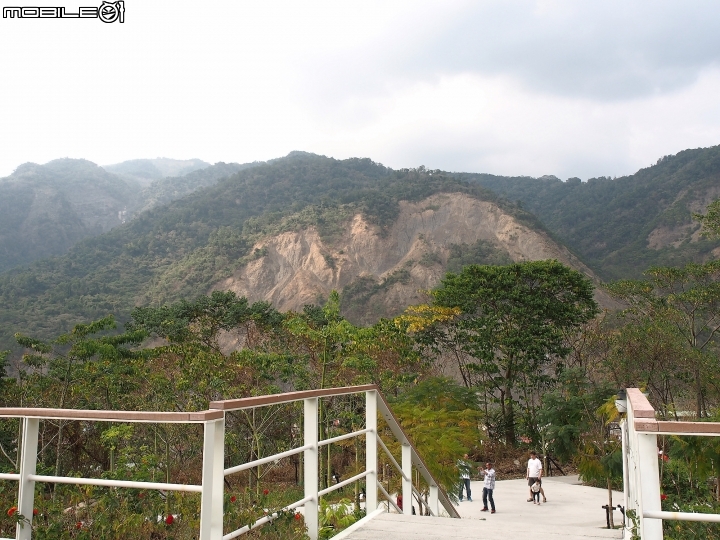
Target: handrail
{"x": 287, "y": 397}
{"x": 268, "y": 459}
{"x": 339, "y": 438}
{"x": 264, "y": 520}
{"x": 106, "y": 482}
{"x": 344, "y": 483}
{"x": 392, "y": 422}
{"x": 110, "y": 416}
{"x": 392, "y": 458}
{"x": 388, "y": 497}
{"x": 664, "y": 427}
{"x": 682, "y": 516}
{"x": 213, "y": 471}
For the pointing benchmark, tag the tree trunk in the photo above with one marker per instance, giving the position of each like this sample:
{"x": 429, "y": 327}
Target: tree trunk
{"x": 509, "y": 418}
{"x": 698, "y": 391}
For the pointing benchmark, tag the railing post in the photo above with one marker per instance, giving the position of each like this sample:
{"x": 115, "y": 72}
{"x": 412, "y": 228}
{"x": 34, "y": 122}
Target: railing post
{"x": 434, "y": 501}
{"x": 310, "y": 459}
{"x": 213, "y": 480}
{"x": 28, "y": 465}
{"x": 650, "y": 529}
{"x": 371, "y": 490}
{"x": 626, "y": 471}
{"x": 407, "y": 492}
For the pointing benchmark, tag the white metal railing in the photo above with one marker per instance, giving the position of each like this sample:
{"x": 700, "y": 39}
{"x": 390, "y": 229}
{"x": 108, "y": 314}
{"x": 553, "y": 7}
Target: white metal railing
{"x": 641, "y": 475}
{"x": 214, "y": 472}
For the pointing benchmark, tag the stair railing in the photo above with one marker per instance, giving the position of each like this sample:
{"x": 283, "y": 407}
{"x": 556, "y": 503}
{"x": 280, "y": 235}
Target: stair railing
{"x": 214, "y": 471}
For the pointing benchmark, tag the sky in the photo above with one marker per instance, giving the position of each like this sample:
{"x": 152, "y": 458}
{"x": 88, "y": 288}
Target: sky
{"x": 570, "y": 88}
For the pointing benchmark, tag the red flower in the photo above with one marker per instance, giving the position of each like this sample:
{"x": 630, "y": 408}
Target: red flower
{"x": 297, "y": 516}
{"x": 663, "y": 496}
{"x": 141, "y": 495}
{"x": 78, "y": 525}
{"x": 170, "y": 519}
{"x": 233, "y": 498}
{"x": 266, "y": 491}
{"x": 35, "y": 511}
{"x": 12, "y": 510}
{"x": 665, "y": 457}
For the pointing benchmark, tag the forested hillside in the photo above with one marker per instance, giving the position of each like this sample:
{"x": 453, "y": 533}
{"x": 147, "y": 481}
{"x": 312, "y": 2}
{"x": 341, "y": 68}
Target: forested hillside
{"x": 180, "y": 250}
{"x": 167, "y": 189}
{"x": 622, "y": 226}
{"x": 147, "y": 170}
{"x": 45, "y": 209}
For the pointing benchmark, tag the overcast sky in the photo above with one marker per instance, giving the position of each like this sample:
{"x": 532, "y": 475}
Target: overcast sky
{"x": 570, "y": 88}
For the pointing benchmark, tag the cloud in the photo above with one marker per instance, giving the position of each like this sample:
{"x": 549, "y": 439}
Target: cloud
{"x": 572, "y": 88}
{"x": 493, "y": 124}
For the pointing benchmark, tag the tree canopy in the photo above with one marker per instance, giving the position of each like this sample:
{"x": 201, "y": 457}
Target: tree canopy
{"x": 514, "y": 320}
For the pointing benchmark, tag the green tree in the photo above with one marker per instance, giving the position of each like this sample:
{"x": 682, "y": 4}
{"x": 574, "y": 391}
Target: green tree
{"x": 600, "y": 458}
{"x": 82, "y": 368}
{"x": 569, "y": 412}
{"x": 514, "y": 321}
{"x": 710, "y": 220}
{"x": 688, "y": 299}
{"x": 441, "y": 419}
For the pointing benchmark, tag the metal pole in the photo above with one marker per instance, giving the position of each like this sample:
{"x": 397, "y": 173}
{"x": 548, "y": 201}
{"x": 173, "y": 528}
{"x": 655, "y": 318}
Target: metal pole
{"x": 26, "y": 489}
{"x": 211, "y": 505}
{"x": 310, "y": 458}
{"x": 371, "y": 438}
{"x": 407, "y": 493}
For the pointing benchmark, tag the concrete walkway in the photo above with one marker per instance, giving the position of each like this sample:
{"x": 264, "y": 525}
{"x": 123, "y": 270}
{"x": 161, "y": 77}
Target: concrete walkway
{"x": 572, "y": 512}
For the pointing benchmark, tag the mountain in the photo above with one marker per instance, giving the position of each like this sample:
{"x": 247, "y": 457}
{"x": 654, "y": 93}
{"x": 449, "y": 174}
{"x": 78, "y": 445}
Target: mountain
{"x": 381, "y": 271}
{"x": 291, "y": 229}
{"x": 45, "y": 209}
{"x": 145, "y": 171}
{"x": 168, "y": 189}
{"x": 381, "y": 234}
{"x": 622, "y": 226}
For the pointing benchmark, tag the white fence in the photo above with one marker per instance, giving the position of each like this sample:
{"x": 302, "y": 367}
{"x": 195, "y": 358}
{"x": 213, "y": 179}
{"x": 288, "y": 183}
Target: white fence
{"x": 214, "y": 472}
{"x": 640, "y": 467}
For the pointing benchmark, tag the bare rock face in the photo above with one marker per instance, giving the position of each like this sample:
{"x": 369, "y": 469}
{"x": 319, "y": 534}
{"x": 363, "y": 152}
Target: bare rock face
{"x": 299, "y": 268}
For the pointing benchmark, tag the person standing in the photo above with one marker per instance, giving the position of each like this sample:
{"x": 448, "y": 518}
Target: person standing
{"x": 488, "y": 487}
{"x": 534, "y": 474}
{"x": 464, "y": 467}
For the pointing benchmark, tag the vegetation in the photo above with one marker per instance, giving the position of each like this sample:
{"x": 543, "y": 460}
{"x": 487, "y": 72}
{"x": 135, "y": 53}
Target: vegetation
{"x": 512, "y": 324}
{"x": 179, "y": 250}
{"x": 536, "y": 364}
{"x": 607, "y": 221}
{"x": 44, "y": 209}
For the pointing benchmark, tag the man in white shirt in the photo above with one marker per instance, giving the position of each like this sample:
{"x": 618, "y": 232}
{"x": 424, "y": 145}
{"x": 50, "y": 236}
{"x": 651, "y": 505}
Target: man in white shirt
{"x": 534, "y": 474}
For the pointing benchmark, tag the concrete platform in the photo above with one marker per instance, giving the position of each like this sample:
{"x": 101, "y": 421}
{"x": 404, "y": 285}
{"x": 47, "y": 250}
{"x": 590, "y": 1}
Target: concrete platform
{"x": 572, "y": 512}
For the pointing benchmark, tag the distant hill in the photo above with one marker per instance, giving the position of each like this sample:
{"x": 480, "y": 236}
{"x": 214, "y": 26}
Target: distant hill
{"x": 147, "y": 170}
{"x": 191, "y": 245}
{"x": 46, "y": 209}
{"x": 168, "y": 189}
{"x": 622, "y": 226}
